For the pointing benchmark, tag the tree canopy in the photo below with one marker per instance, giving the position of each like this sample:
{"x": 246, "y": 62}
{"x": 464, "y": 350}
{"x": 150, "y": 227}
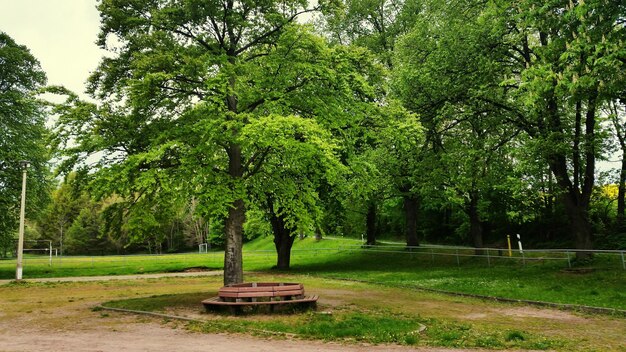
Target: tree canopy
{"x": 454, "y": 122}
{"x": 203, "y": 98}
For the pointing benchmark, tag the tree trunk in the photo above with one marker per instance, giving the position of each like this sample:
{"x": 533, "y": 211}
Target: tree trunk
{"x": 621, "y": 138}
{"x": 410, "y": 215}
{"x": 576, "y": 207}
{"x": 576, "y": 199}
{"x": 233, "y": 257}
{"x": 476, "y": 227}
{"x": 621, "y": 194}
{"x": 318, "y": 234}
{"x": 61, "y": 242}
{"x": 370, "y": 224}
{"x": 283, "y": 251}
{"x": 580, "y": 226}
{"x": 283, "y": 238}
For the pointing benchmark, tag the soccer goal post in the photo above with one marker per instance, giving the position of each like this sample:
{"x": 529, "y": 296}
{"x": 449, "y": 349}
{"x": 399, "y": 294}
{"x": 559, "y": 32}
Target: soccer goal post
{"x": 47, "y": 250}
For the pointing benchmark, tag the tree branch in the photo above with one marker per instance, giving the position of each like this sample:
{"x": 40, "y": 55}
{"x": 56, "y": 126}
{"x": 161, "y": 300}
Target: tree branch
{"x": 256, "y": 104}
{"x": 257, "y": 159}
{"x": 273, "y": 31}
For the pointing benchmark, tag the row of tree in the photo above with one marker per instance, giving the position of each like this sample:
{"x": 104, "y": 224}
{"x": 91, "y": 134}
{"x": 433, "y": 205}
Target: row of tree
{"x": 78, "y": 224}
{"x": 455, "y": 121}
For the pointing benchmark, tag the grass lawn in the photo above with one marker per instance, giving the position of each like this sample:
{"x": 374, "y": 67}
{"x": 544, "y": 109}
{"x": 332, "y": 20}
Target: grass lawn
{"x": 603, "y": 286}
{"x": 550, "y": 281}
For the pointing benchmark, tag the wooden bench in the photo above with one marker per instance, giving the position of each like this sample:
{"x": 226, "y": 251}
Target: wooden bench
{"x": 258, "y": 294}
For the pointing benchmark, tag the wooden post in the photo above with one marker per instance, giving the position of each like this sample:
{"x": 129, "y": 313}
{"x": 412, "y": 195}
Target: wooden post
{"x": 508, "y": 240}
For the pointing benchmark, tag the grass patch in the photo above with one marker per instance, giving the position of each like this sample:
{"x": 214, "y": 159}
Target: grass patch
{"x": 543, "y": 280}
{"x": 515, "y": 336}
{"x": 158, "y": 303}
{"x": 371, "y": 327}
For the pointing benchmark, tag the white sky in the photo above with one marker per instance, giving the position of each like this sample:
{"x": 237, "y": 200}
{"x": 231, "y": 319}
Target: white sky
{"x": 61, "y": 34}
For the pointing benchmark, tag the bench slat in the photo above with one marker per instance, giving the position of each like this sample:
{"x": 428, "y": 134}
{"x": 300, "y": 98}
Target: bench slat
{"x": 288, "y": 287}
{"x": 214, "y": 301}
{"x": 255, "y": 289}
{"x": 261, "y": 293}
{"x": 239, "y": 290}
{"x": 261, "y": 288}
{"x": 288, "y": 293}
{"x": 260, "y": 284}
{"x": 255, "y": 294}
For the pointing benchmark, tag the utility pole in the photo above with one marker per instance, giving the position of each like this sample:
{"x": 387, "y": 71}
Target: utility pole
{"x": 20, "y": 243}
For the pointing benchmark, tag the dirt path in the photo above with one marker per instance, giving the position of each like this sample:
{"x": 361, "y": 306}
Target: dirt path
{"x": 155, "y": 337}
{"x": 119, "y": 277}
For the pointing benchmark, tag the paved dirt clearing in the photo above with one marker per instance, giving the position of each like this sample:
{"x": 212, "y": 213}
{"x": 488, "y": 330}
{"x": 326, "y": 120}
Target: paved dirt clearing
{"x": 54, "y": 316}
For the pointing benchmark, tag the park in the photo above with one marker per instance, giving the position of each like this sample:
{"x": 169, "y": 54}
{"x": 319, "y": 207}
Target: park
{"x": 341, "y": 175}
{"x": 404, "y": 304}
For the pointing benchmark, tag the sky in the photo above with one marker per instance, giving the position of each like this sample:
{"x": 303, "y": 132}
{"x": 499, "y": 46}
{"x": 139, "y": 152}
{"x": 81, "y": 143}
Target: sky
{"x": 61, "y": 34}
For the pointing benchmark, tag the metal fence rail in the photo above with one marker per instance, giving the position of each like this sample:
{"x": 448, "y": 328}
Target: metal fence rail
{"x": 489, "y": 254}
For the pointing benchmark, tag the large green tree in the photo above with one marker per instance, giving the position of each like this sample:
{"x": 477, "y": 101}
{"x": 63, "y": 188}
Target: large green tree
{"x": 287, "y": 189}
{"x": 376, "y": 25}
{"x": 188, "y": 84}
{"x": 443, "y": 74}
{"x": 58, "y": 216}
{"x": 566, "y": 54}
{"x": 22, "y": 135}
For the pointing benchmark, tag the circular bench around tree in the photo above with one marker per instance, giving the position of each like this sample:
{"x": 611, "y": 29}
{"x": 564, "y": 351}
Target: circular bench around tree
{"x": 259, "y": 294}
